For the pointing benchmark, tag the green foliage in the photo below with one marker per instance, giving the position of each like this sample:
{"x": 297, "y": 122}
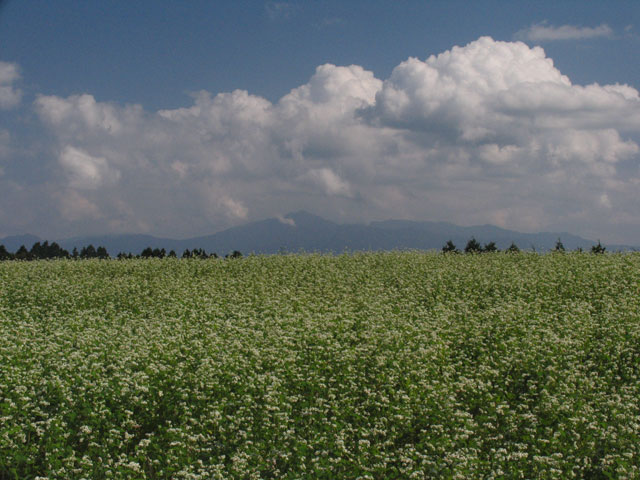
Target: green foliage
{"x": 197, "y": 253}
{"x": 473, "y": 246}
{"x": 23, "y": 254}
{"x": 490, "y": 248}
{"x": 46, "y": 251}
{"x": 598, "y": 249}
{"x": 88, "y": 252}
{"x": 4, "y": 253}
{"x": 559, "y": 246}
{"x": 153, "y": 253}
{"x": 384, "y": 365}
{"x": 450, "y": 247}
{"x": 513, "y": 248}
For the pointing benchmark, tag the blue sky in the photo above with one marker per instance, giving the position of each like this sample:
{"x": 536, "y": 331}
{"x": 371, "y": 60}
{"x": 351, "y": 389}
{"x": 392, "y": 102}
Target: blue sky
{"x": 184, "y": 118}
{"x": 155, "y": 52}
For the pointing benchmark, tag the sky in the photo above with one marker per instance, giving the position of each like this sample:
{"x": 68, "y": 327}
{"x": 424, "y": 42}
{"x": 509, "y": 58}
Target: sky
{"x": 180, "y": 119}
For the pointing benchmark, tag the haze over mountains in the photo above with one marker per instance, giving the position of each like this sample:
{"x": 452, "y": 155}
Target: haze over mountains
{"x": 302, "y": 231}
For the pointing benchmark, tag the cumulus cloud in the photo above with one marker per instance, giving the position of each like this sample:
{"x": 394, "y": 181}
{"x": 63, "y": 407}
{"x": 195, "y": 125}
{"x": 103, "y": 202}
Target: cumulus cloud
{"x": 85, "y": 171}
{"x": 501, "y": 114}
{"x": 9, "y": 95}
{"x": 83, "y": 113}
{"x": 75, "y": 207}
{"x": 233, "y": 208}
{"x": 286, "y": 220}
{"x": 498, "y": 93}
{"x": 328, "y": 181}
{"x": 542, "y": 32}
{"x": 490, "y": 132}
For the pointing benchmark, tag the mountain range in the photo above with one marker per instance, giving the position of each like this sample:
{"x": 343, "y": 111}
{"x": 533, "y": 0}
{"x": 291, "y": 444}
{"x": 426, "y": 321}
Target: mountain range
{"x": 303, "y": 231}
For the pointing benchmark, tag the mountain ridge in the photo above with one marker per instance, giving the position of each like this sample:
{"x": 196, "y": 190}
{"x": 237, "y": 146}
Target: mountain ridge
{"x": 303, "y": 231}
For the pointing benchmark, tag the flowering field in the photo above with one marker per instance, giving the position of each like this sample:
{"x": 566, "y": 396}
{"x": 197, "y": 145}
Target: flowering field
{"x": 379, "y": 366}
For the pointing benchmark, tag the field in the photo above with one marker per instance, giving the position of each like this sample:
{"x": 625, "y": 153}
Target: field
{"x": 371, "y": 366}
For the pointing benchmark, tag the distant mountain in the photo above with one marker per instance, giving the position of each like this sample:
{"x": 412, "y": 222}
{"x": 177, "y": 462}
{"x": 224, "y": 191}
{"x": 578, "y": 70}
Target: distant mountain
{"x": 14, "y": 242}
{"x": 302, "y": 231}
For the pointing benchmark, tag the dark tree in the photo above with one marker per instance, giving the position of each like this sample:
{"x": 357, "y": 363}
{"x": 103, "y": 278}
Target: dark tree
{"x": 88, "y": 252}
{"x": 159, "y": 253}
{"x": 513, "y": 248}
{"x": 102, "y": 253}
{"x": 199, "y": 253}
{"x": 490, "y": 247}
{"x": 74, "y": 253}
{"x": 473, "y": 246}
{"x": 559, "y": 246}
{"x": 147, "y": 253}
{"x": 234, "y": 254}
{"x": 186, "y": 253}
{"x": 58, "y": 252}
{"x": 46, "y": 251}
{"x": 4, "y": 254}
{"x": 37, "y": 250}
{"x": 172, "y": 254}
{"x": 22, "y": 253}
{"x": 450, "y": 247}
{"x": 598, "y": 249}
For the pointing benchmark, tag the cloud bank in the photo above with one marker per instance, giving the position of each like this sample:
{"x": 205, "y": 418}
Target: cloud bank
{"x": 490, "y": 132}
{"x": 541, "y": 32}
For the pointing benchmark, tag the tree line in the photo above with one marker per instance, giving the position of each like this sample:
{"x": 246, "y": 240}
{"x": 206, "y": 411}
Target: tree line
{"x": 473, "y": 246}
{"x": 46, "y": 250}
{"x": 50, "y": 251}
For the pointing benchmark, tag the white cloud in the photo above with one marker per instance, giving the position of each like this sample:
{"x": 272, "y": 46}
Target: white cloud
{"x": 83, "y": 113}
{"x": 504, "y": 98}
{"x": 498, "y": 120}
{"x": 604, "y": 201}
{"x": 488, "y": 132}
{"x": 75, "y": 207}
{"x": 328, "y": 181}
{"x": 542, "y": 32}
{"x": 286, "y": 220}
{"x": 234, "y": 208}
{"x": 85, "y": 171}
{"x": 9, "y": 95}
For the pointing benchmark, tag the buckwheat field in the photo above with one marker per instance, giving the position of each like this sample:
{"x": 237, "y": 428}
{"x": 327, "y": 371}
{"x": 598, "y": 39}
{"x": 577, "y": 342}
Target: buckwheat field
{"x": 370, "y": 366}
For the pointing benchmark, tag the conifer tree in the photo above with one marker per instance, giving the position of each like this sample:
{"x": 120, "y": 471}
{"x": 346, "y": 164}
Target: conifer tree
{"x": 450, "y": 247}
{"x": 473, "y": 246}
